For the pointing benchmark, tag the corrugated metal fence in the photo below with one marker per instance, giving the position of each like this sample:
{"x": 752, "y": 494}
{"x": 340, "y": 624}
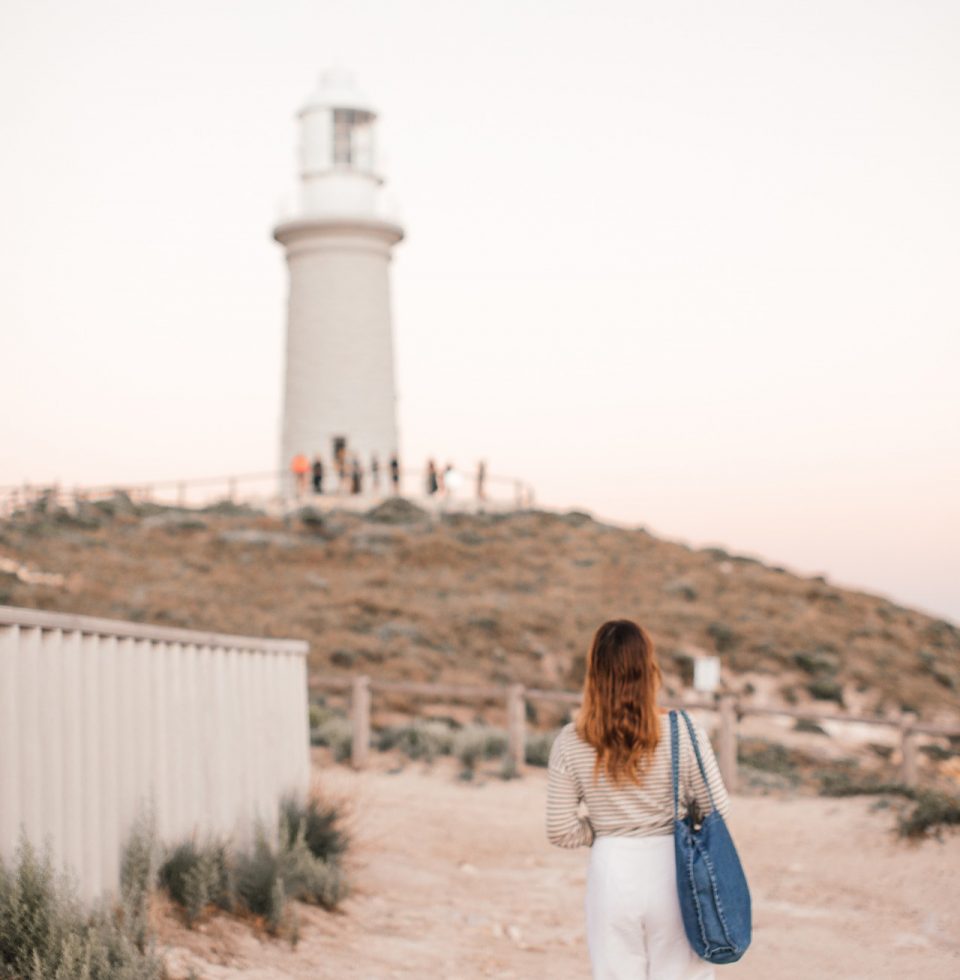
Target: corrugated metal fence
{"x": 101, "y": 720}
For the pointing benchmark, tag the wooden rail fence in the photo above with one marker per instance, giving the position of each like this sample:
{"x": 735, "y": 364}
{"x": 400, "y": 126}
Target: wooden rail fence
{"x": 514, "y": 697}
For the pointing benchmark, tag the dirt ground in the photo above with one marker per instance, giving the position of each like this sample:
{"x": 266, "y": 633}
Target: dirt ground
{"x": 454, "y": 879}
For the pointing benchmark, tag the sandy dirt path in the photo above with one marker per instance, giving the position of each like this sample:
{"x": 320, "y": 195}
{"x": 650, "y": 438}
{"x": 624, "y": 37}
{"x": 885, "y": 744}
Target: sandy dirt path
{"x": 455, "y": 880}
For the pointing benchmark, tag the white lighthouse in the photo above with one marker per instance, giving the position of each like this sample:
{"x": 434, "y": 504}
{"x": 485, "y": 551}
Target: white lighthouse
{"x": 339, "y": 390}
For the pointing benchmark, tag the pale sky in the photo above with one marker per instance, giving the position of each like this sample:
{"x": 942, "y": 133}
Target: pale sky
{"x": 694, "y": 266}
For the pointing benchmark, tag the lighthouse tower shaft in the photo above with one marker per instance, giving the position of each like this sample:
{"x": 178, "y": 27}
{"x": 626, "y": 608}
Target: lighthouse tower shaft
{"x": 339, "y": 386}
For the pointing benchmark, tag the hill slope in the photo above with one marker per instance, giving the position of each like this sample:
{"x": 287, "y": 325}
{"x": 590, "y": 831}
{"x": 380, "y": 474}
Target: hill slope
{"x": 483, "y": 598}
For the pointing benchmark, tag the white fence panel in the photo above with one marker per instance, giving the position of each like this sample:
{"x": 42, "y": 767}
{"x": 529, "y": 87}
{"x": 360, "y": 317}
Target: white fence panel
{"x": 102, "y": 721}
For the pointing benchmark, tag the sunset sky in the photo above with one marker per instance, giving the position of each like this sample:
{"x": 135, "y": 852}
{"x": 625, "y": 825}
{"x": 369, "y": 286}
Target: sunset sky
{"x": 694, "y": 266}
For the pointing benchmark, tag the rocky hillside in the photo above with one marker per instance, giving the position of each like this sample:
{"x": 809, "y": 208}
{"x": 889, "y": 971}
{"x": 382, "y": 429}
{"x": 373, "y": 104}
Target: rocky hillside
{"x": 480, "y": 598}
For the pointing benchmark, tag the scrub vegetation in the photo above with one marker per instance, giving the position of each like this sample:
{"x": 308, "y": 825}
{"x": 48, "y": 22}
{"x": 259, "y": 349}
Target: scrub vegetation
{"x": 304, "y": 862}
{"x": 47, "y": 934}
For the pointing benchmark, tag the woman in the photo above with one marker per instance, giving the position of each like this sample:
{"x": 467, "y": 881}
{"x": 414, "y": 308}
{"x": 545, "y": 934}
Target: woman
{"x": 616, "y": 761}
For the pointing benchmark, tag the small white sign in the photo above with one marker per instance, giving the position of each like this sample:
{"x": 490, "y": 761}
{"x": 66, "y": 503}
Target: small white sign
{"x": 706, "y": 674}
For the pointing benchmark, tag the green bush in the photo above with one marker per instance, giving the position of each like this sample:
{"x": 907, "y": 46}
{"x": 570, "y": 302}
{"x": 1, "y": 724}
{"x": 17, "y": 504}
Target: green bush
{"x": 808, "y": 725}
{"x": 336, "y": 733}
{"x": 768, "y": 757}
{"x": 260, "y": 883}
{"x": 138, "y": 875}
{"x": 723, "y": 637}
{"x": 844, "y": 784}
{"x": 937, "y": 753}
{"x": 318, "y": 714}
{"x": 818, "y": 661}
{"x": 418, "y": 740}
{"x": 537, "y": 750}
{"x": 45, "y": 934}
{"x": 269, "y": 876}
{"x": 310, "y": 879}
{"x": 826, "y": 689}
{"x": 303, "y": 862}
{"x": 508, "y": 770}
{"x": 197, "y": 877}
{"x": 319, "y": 824}
{"x": 931, "y": 811}
{"x": 478, "y": 742}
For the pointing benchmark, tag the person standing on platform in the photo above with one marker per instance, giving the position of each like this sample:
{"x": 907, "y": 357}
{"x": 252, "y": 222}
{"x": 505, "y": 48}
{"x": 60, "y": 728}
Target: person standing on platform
{"x": 356, "y": 486}
{"x": 451, "y": 481}
{"x": 433, "y": 478}
{"x": 395, "y": 473}
{"x": 300, "y": 467}
{"x": 317, "y": 474}
{"x": 375, "y": 473}
{"x": 481, "y": 480}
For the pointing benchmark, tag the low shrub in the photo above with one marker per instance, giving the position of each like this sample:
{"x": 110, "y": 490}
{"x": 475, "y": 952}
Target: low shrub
{"x": 826, "y": 689}
{"x": 198, "y": 876}
{"x": 138, "y": 877}
{"x": 302, "y": 862}
{"x": 818, "y": 661}
{"x": 808, "y": 725}
{"x": 268, "y": 877}
{"x": 318, "y": 714}
{"x": 931, "y": 811}
{"x": 537, "y": 751}
{"x": 337, "y": 734}
{"x": 937, "y": 753}
{"x": 418, "y": 740}
{"x": 319, "y": 823}
{"x": 846, "y": 784}
{"x": 478, "y": 742}
{"x": 942, "y": 673}
{"x": 789, "y": 693}
{"x": 509, "y": 770}
{"x": 260, "y": 883}
{"x": 309, "y": 878}
{"x": 768, "y": 757}
{"x": 723, "y": 637}
{"x": 45, "y": 934}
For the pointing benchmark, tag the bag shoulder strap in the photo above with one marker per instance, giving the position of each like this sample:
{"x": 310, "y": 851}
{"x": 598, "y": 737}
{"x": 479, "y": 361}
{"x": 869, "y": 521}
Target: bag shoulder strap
{"x": 696, "y": 750}
{"x": 674, "y": 760}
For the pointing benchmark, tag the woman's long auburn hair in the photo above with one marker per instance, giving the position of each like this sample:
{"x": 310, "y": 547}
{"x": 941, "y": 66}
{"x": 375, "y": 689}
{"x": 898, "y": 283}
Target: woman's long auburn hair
{"x": 618, "y": 716}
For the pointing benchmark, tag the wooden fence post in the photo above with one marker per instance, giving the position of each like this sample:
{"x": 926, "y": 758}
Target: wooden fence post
{"x": 516, "y": 726}
{"x": 360, "y": 717}
{"x": 908, "y": 750}
{"x": 728, "y": 741}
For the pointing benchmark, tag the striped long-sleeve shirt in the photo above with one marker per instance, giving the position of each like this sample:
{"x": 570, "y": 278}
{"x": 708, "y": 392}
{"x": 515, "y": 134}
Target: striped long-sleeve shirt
{"x": 625, "y": 809}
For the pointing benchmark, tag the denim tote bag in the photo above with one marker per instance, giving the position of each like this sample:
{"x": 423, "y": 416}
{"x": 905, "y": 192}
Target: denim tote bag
{"x": 714, "y": 897}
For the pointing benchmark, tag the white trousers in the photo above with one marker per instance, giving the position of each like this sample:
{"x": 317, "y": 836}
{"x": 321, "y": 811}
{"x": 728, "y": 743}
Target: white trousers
{"x": 634, "y": 928}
